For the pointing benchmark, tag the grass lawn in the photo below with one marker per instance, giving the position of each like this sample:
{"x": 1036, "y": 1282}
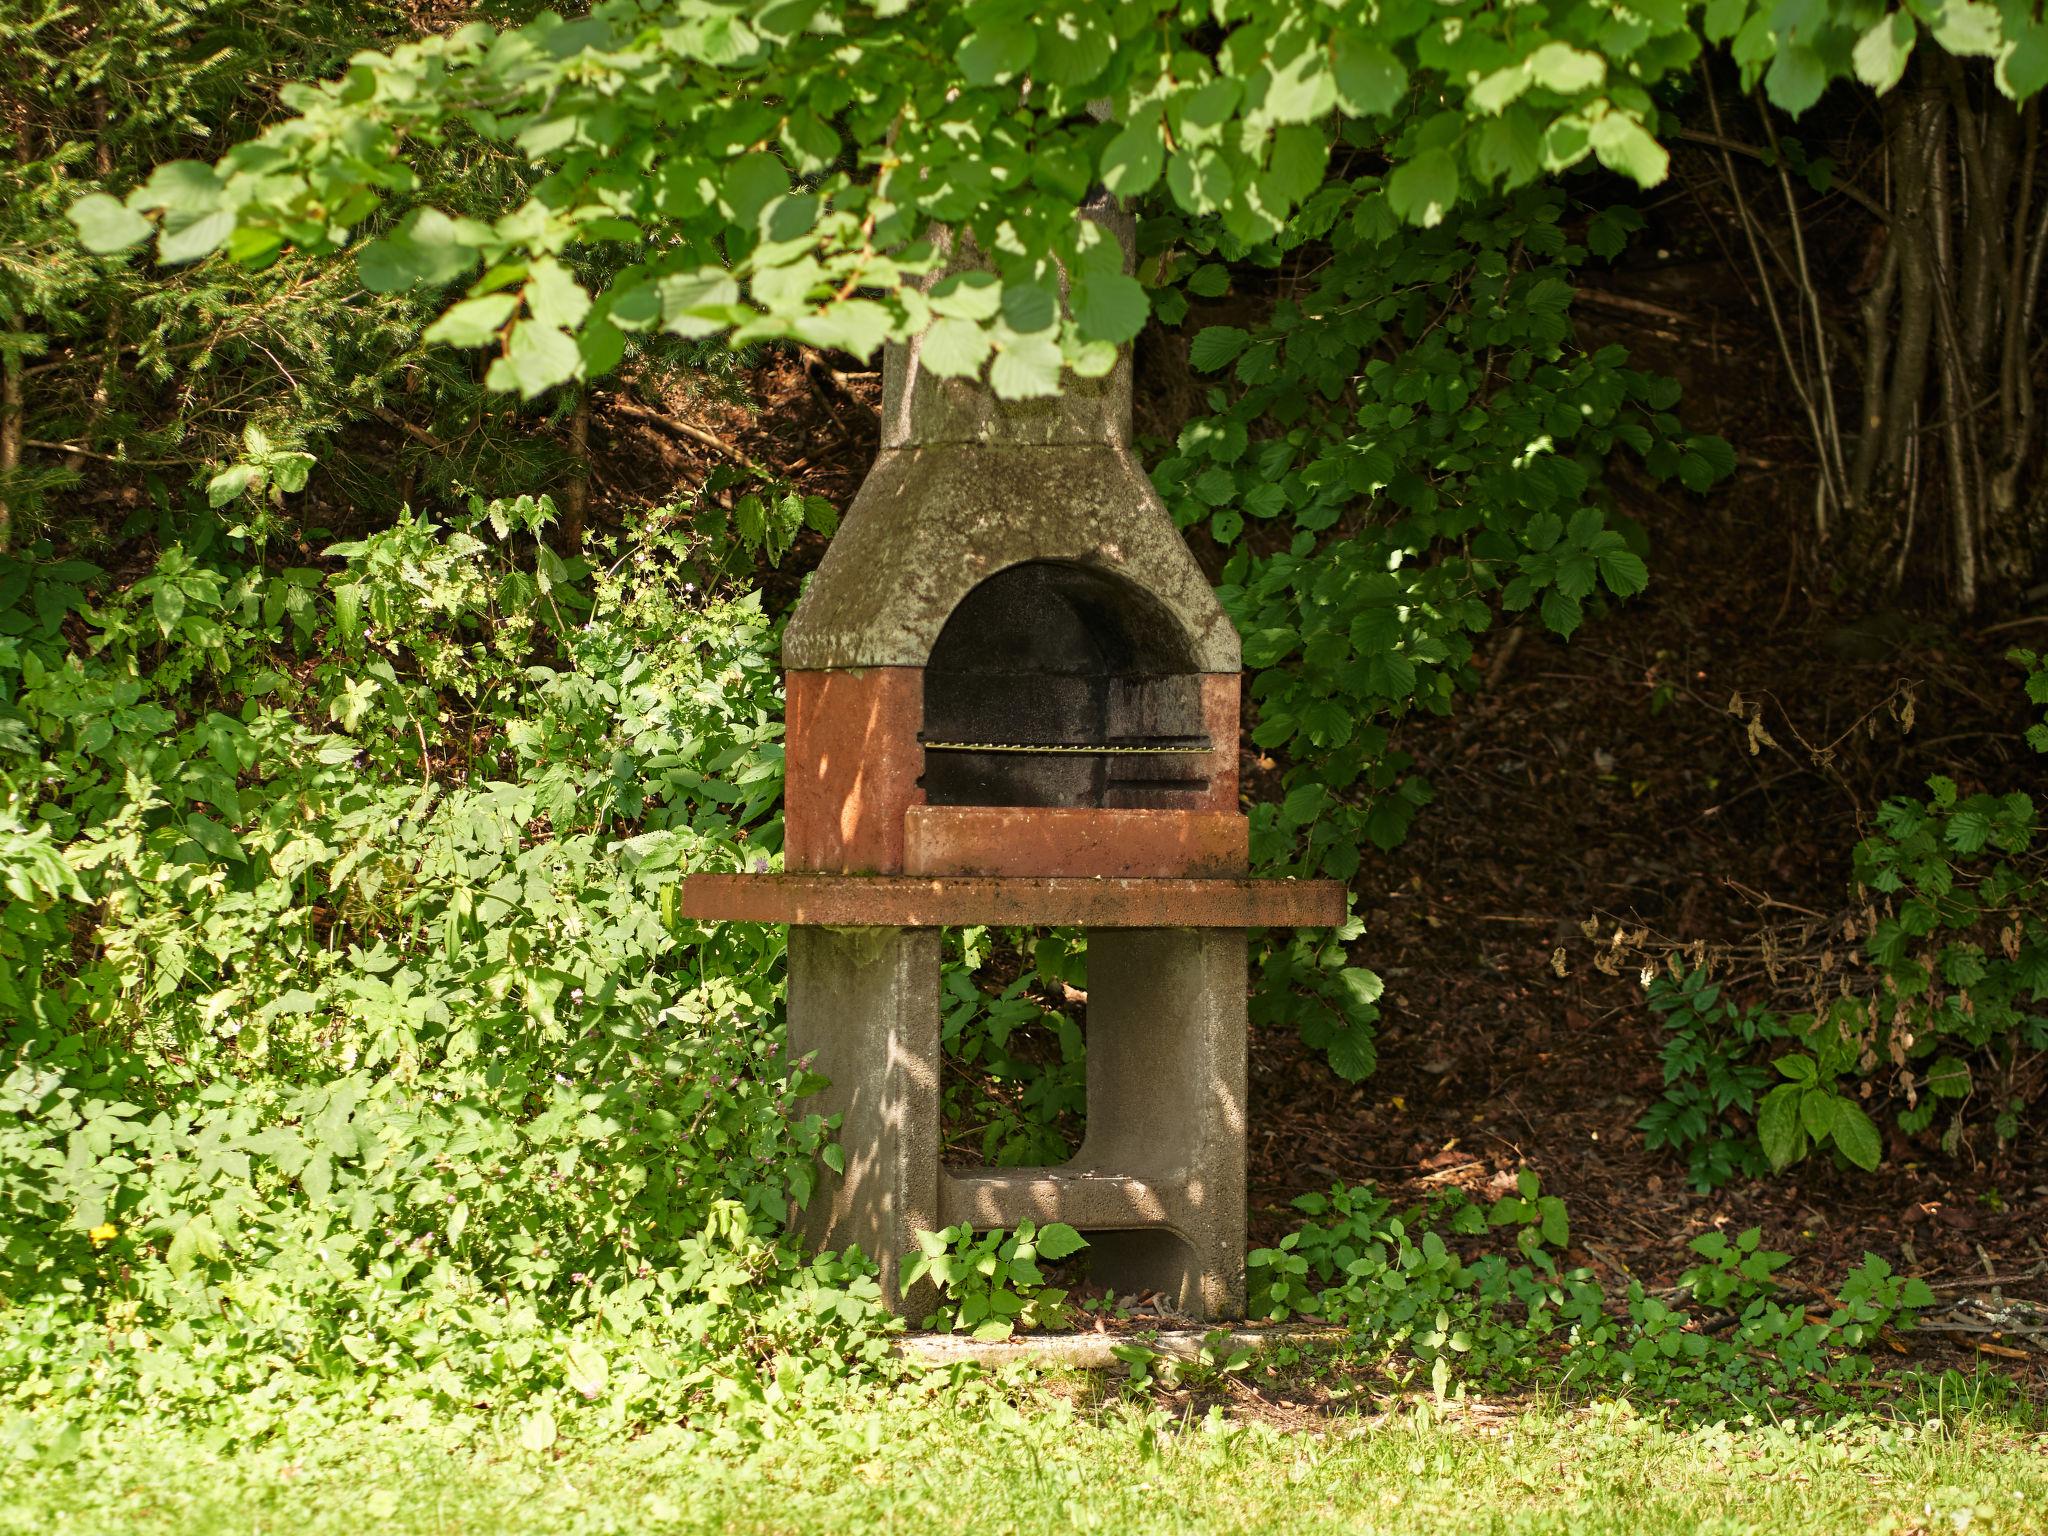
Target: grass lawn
{"x": 928, "y": 1461}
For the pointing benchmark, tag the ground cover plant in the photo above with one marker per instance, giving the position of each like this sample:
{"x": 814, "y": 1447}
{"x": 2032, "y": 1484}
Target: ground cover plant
{"x": 403, "y": 480}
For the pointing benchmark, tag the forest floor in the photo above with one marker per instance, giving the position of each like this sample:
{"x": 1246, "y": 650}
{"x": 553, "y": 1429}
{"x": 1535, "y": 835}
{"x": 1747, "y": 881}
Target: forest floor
{"x": 1610, "y": 783}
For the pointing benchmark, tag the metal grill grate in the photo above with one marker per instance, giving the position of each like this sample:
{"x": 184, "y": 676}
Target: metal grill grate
{"x": 1090, "y": 749}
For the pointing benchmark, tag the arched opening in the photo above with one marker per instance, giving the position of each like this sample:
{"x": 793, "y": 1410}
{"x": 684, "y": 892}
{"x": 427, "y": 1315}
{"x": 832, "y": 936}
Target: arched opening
{"x": 1054, "y": 684}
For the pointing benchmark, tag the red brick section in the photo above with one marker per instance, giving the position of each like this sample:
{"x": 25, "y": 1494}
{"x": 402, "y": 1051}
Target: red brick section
{"x": 942, "y": 901}
{"x": 853, "y": 763}
{"x": 1021, "y": 840}
{"x": 1219, "y": 719}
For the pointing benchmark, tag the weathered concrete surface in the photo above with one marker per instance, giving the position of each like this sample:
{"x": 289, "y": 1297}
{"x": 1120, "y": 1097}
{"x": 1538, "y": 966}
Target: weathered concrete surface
{"x": 852, "y": 762}
{"x": 935, "y": 519}
{"x": 1012, "y": 840}
{"x": 864, "y": 1007}
{"x": 1166, "y": 1106}
{"x": 1014, "y": 901}
{"x": 1096, "y": 1351}
{"x": 967, "y": 484}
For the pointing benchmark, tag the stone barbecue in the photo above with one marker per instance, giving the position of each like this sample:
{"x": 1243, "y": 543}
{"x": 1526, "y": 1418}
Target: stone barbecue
{"x": 1013, "y": 699}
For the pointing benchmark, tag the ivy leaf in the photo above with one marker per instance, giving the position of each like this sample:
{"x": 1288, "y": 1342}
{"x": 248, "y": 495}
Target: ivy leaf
{"x": 106, "y": 224}
{"x": 1132, "y": 161}
{"x": 1370, "y": 80}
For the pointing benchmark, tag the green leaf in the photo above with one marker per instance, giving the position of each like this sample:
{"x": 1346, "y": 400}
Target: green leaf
{"x": 1423, "y": 189}
{"x": 749, "y": 185}
{"x": 1817, "y": 1112}
{"x": 189, "y": 237}
{"x": 1881, "y": 54}
{"x": 1566, "y": 70}
{"x": 1132, "y": 161}
{"x": 1796, "y": 78}
{"x": 1623, "y": 144}
{"x": 1968, "y": 28}
{"x": 586, "y": 1369}
{"x": 1216, "y": 345}
{"x": 1110, "y": 307}
{"x": 538, "y": 1432}
{"x": 553, "y": 296}
{"x": 1351, "y": 1052}
{"x": 1778, "y": 1128}
{"x": 2022, "y": 70}
{"x": 473, "y": 322}
{"x": 1856, "y": 1136}
{"x": 1561, "y": 612}
{"x": 538, "y": 357}
{"x": 970, "y": 296}
{"x": 954, "y": 349}
{"x": 1027, "y": 367}
{"x": 1623, "y": 572}
{"x": 105, "y": 224}
{"x": 1361, "y": 988}
{"x": 1370, "y": 80}
{"x": 995, "y": 54}
{"x": 691, "y": 302}
{"x": 1057, "y": 1240}
{"x": 1200, "y": 180}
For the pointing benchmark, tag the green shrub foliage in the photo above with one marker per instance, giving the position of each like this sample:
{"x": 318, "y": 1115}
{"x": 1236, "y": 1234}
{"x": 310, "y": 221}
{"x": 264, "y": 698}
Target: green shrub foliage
{"x": 351, "y": 1019}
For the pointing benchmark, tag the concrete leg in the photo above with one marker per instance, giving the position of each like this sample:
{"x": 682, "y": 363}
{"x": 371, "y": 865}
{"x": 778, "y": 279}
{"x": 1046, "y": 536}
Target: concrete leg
{"x": 864, "y": 1005}
{"x": 1166, "y": 1105}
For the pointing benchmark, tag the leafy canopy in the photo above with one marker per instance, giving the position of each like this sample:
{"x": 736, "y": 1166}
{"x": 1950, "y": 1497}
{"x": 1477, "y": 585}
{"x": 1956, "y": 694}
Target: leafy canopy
{"x": 769, "y": 170}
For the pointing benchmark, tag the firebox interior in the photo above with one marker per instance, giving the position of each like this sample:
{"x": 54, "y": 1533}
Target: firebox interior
{"x": 1059, "y": 684}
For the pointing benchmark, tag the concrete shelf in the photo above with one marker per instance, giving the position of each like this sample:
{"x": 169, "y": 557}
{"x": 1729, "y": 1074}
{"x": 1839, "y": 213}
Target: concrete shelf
{"x": 955, "y": 901}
